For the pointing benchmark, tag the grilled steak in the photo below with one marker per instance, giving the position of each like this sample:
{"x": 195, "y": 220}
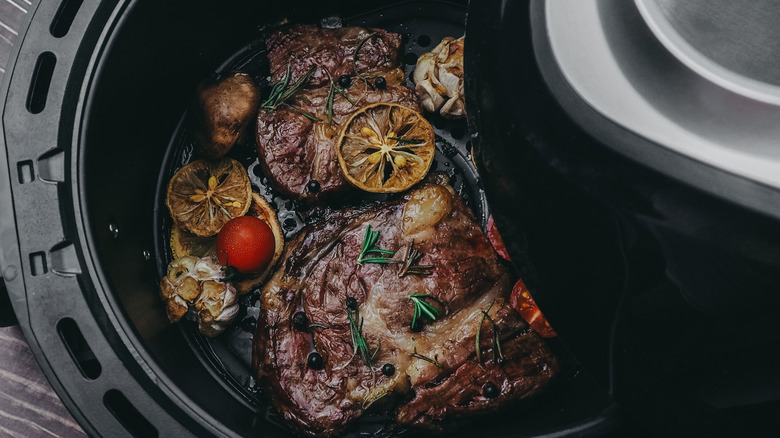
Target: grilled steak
{"x": 294, "y": 149}
{"x": 436, "y": 373}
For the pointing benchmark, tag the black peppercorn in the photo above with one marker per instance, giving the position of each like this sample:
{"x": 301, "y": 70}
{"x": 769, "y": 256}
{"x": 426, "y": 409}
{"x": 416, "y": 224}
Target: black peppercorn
{"x": 300, "y": 321}
{"x": 351, "y": 303}
{"x": 315, "y": 361}
{"x": 380, "y": 82}
{"x": 345, "y": 81}
{"x": 313, "y": 186}
{"x": 388, "y": 369}
{"x": 490, "y": 390}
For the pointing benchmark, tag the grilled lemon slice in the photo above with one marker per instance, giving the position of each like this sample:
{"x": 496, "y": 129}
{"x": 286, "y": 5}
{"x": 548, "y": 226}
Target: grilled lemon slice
{"x": 386, "y": 148}
{"x": 204, "y": 195}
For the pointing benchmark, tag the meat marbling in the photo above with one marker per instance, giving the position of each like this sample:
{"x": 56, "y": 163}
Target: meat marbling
{"x": 320, "y": 271}
{"x": 294, "y": 149}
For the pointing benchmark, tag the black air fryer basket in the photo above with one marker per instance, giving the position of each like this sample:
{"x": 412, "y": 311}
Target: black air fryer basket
{"x": 658, "y": 272}
{"x": 92, "y": 127}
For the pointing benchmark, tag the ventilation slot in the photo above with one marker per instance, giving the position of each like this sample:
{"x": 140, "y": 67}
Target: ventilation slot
{"x": 38, "y": 263}
{"x": 63, "y": 19}
{"x": 128, "y": 415}
{"x": 78, "y": 348}
{"x": 26, "y": 172}
{"x": 41, "y": 80}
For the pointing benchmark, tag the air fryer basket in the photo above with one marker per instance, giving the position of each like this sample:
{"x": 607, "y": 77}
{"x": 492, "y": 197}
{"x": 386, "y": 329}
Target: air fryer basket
{"x": 94, "y": 98}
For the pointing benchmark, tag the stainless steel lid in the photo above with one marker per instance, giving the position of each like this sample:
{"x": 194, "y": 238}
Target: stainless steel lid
{"x": 696, "y": 82}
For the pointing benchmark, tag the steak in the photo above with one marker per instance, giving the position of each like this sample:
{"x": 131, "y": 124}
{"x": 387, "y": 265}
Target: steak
{"x": 436, "y": 375}
{"x": 294, "y": 149}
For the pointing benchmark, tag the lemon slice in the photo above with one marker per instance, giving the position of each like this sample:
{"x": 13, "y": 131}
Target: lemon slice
{"x": 184, "y": 243}
{"x": 386, "y": 148}
{"x": 204, "y": 195}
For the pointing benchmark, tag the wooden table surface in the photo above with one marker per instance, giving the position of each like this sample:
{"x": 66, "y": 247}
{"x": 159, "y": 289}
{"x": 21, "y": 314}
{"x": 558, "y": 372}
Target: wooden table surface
{"x": 29, "y": 408}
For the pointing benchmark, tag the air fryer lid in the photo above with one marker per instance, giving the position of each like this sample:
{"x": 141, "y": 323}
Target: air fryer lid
{"x": 698, "y": 83}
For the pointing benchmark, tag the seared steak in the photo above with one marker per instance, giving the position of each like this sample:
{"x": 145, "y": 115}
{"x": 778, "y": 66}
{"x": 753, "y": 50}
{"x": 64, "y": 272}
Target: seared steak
{"x": 436, "y": 373}
{"x": 294, "y": 149}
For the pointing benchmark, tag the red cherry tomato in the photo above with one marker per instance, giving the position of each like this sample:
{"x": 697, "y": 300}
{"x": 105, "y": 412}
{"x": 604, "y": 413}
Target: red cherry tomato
{"x": 522, "y": 301}
{"x": 495, "y": 239}
{"x": 246, "y": 243}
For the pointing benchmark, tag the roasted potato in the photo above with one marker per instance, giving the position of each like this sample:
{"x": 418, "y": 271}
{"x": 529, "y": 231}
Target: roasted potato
{"x": 224, "y": 109}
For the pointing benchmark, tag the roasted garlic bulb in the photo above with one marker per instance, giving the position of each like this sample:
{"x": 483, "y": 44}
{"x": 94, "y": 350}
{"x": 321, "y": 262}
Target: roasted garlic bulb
{"x": 439, "y": 79}
{"x": 195, "y": 287}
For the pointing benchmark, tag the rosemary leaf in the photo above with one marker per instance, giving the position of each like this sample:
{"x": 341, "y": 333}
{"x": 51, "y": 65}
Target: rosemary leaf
{"x": 367, "y": 403}
{"x": 281, "y": 92}
{"x": 329, "y": 103}
{"x": 376, "y": 260}
{"x": 377, "y": 350}
{"x": 425, "y": 358}
{"x": 297, "y": 86}
{"x": 425, "y": 307}
{"x": 382, "y": 251}
{"x": 318, "y": 325}
{"x": 498, "y": 354}
{"x": 479, "y": 332}
{"x": 278, "y": 88}
{"x": 302, "y": 112}
{"x": 342, "y": 92}
{"x": 359, "y": 345}
{"x": 415, "y": 316}
{"x": 360, "y": 46}
{"x": 368, "y": 83}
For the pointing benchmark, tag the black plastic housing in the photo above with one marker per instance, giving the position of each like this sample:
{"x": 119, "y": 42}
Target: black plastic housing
{"x": 668, "y": 294}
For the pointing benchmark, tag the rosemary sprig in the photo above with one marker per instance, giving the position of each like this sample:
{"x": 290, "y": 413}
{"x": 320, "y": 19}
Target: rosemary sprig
{"x": 421, "y": 307}
{"x": 498, "y": 354}
{"x": 405, "y": 141}
{"x": 331, "y": 97}
{"x": 277, "y": 89}
{"x": 425, "y": 358}
{"x": 281, "y": 92}
{"x": 302, "y": 112}
{"x": 479, "y": 332}
{"x": 329, "y": 103}
{"x": 369, "y": 240}
{"x": 367, "y": 403}
{"x": 359, "y": 345}
{"x": 367, "y": 82}
{"x": 410, "y": 263}
{"x": 341, "y": 92}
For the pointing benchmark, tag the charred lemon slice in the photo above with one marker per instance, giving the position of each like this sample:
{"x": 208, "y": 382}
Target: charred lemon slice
{"x": 386, "y": 148}
{"x": 262, "y": 210}
{"x": 184, "y": 243}
{"x": 204, "y": 195}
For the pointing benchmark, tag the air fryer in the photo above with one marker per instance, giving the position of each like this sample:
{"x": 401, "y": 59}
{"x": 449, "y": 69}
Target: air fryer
{"x": 617, "y": 253}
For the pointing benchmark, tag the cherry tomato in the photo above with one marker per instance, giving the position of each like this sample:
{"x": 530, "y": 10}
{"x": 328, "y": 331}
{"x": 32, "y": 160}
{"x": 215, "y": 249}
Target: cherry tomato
{"x": 246, "y": 243}
{"x": 495, "y": 239}
{"x": 522, "y": 301}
